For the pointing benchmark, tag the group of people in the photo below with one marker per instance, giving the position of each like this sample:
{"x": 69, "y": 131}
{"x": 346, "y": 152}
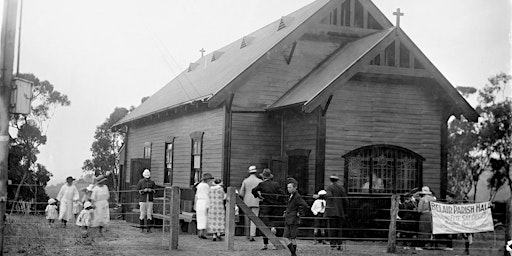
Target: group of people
{"x": 209, "y": 207}
{"x": 415, "y": 220}
{"x": 265, "y": 196}
{"x": 89, "y": 211}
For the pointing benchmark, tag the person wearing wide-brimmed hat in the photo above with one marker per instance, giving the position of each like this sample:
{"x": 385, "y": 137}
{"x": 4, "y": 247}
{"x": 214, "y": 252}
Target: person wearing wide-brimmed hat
{"x": 272, "y": 197}
{"x": 202, "y": 202}
{"x": 335, "y": 211}
{"x": 99, "y": 199}
{"x": 146, "y": 188}
{"x": 253, "y": 202}
{"x": 67, "y": 194}
{"x": 425, "y": 224}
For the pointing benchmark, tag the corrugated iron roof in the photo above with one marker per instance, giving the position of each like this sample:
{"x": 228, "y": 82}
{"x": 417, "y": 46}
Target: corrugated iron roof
{"x": 207, "y": 77}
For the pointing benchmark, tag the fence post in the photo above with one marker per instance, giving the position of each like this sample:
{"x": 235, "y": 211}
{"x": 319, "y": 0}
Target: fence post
{"x": 174, "y": 225}
{"x": 230, "y": 218}
{"x": 392, "y": 224}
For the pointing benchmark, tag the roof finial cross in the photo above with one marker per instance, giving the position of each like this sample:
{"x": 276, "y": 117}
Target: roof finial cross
{"x": 398, "y": 14}
{"x": 202, "y": 52}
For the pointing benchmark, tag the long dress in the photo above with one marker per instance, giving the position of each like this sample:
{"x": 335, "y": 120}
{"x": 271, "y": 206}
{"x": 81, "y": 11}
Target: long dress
{"x": 101, "y": 214}
{"x": 67, "y": 194}
{"x": 201, "y": 205}
{"x": 216, "y": 212}
{"x": 425, "y": 224}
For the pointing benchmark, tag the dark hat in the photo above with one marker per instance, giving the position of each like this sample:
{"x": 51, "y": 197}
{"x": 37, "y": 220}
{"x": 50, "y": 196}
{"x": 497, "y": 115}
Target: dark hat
{"x": 266, "y": 174}
{"x": 101, "y": 178}
{"x": 207, "y": 176}
{"x": 69, "y": 178}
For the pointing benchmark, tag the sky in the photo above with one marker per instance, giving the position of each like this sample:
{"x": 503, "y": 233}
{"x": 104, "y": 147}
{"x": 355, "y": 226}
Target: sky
{"x": 105, "y": 54}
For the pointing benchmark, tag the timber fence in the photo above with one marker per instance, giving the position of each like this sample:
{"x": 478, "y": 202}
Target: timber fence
{"x": 379, "y": 220}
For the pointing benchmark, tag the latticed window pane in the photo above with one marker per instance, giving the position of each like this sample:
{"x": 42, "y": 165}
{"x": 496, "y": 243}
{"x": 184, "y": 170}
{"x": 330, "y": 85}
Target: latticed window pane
{"x": 382, "y": 169}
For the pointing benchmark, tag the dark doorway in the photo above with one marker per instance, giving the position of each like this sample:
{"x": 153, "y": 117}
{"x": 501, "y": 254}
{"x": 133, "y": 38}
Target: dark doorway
{"x": 298, "y": 162}
{"x": 136, "y": 168}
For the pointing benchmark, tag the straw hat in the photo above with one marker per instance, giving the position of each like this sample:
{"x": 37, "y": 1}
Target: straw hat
{"x": 51, "y": 201}
{"x": 334, "y": 177}
{"x": 322, "y": 192}
{"x": 146, "y": 173}
{"x": 425, "y": 190}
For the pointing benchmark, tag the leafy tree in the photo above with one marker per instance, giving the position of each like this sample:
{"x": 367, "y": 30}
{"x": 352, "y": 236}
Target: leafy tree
{"x": 471, "y": 146}
{"x": 105, "y": 149}
{"x": 30, "y": 176}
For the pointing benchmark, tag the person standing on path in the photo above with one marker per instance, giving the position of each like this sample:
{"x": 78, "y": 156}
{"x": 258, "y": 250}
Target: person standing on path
{"x": 253, "y": 202}
{"x": 202, "y": 202}
{"x": 217, "y": 211}
{"x": 335, "y": 211}
{"x": 146, "y": 188}
{"x": 271, "y": 196}
{"x": 295, "y": 208}
{"x": 68, "y": 193}
{"x": 99, "y": 199}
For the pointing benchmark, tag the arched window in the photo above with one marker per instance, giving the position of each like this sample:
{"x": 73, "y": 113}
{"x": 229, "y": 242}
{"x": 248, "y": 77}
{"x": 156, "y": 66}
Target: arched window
{"x": 382, "y": 169}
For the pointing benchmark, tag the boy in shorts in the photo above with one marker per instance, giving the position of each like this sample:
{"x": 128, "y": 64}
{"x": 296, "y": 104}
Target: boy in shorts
{"x": 295, "y": 208}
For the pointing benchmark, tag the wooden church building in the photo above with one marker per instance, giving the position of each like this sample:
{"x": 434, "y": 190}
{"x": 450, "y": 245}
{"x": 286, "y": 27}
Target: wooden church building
{"x": 332, "y": 88}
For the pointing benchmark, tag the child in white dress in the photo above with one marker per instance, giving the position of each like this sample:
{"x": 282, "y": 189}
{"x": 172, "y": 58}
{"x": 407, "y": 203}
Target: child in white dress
{"x": 85, "y": 217}
{"x": 51, "y": 211}
{"x": 318, "y": 209}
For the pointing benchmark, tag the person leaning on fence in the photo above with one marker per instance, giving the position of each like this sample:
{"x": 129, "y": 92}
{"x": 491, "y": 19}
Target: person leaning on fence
{"x": 51, "y": 211}
{"x": 99, "y": 199}
{"x": 271, "y": 196}
{"x": 202, "y": 202}
{"x": 335, "y": 211}
{"x": 217, "y": 211}
{"x": 252, "y": 202}
{"x": 425, "y": 220}
{"x": 146, "y": 188}
{"x": 67, "y": 194}
{"x": 408, "y": 218}
{"x": 295, "y": 208}
{"x": 318, "y": 209}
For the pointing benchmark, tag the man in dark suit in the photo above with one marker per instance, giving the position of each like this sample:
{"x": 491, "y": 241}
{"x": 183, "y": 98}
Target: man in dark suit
{"x": 271, "y": 195}
{"x": 335, "y": 210}
{"x": 295, "y": 208}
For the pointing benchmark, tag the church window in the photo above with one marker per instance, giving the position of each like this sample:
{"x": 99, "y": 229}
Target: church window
{"x": 197, "y": 155}
{"x": 345, "y": 13}
{"x": 404, "y": 56}
{"x": 147, "y": 150}
{"x": 382, "y": 169}
{"x": 169, "y": 157}
{"x": 389, "y": 55}
{"x": 358, "y": 16}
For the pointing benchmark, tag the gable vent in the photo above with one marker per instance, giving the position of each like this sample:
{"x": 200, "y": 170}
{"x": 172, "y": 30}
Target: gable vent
{"x": 216, "y": 55}
{"x": 246, "y": 40}
{"x": 192, "y": 66}
{"x": 281, "y": 24}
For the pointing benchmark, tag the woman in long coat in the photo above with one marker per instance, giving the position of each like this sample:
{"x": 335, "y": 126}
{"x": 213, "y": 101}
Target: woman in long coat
{"x": 99, "y": 198}
{"x": 202, "y": 202}
{"x": 425, "y": 224}
{"x": 216, "y": 211}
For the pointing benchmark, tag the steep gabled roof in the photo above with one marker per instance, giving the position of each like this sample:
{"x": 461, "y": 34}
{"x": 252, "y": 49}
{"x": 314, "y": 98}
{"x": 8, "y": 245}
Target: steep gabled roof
{"x": 205, "y": 78}
{"x": 317, "y": 86}
{"x": 324, "y": 75}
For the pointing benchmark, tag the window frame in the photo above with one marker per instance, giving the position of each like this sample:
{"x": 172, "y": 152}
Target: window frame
{"x": 146, "y": 153}
{"x": 396, "y": 151}
{"x": 168, "y": 172}
{"x": 196, "y": 152}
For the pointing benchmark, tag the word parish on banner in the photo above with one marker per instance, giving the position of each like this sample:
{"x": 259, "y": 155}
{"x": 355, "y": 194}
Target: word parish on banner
{"x": 461, "y": 218}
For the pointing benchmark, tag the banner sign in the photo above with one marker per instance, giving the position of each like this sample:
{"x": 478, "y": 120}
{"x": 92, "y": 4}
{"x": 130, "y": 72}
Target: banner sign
{"x": 461, "y": 218}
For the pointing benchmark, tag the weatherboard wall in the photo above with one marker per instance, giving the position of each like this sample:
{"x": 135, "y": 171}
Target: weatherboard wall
{"x": 366, "y": 113}
{"x": 211, "y": 122}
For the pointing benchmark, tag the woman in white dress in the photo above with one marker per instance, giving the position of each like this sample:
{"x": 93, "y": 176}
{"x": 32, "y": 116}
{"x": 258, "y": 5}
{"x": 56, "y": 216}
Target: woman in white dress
{"x": 99, "y": 198}
{"x": 202, "y": 202}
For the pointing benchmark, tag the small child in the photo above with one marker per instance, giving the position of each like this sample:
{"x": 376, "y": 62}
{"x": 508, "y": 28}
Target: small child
{"x": 318, "y": 209}
{"x": 85, "y": 216}
{"x": 77, "y": 208}
{"x": 51, "y": 211}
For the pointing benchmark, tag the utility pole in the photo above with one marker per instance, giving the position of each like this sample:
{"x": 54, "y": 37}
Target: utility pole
{"x": 7, "y": 43}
